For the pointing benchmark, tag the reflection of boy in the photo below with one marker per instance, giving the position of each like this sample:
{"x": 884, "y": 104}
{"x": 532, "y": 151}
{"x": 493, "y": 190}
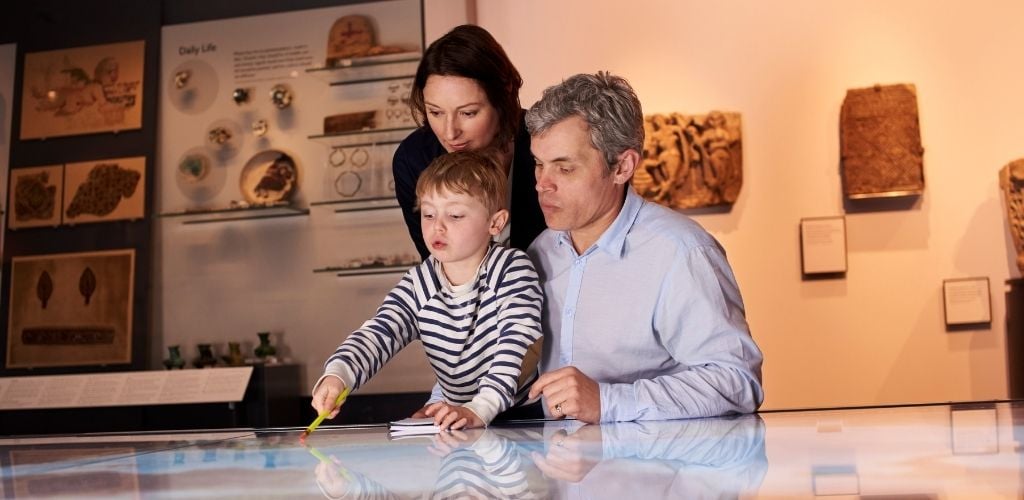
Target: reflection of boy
{"x": 474, "y": 305}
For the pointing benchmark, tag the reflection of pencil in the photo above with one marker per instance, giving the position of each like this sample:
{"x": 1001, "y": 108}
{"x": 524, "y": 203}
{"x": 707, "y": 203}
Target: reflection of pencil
{"x": 320, "y": 418}
{"x": 323, "y": 458}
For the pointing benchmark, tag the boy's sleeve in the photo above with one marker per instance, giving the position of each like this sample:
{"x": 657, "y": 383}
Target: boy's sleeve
{"x": 370, "y": 347}
{"x": 519, "y": 299}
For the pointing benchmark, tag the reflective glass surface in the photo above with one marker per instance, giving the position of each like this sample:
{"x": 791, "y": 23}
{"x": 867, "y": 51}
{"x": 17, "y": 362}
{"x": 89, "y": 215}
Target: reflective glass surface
{"x": 940, "y": 451}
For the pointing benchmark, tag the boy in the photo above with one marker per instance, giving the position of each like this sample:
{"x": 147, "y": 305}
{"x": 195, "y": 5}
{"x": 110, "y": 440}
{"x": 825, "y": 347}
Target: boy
{"x": 475, "y": 305}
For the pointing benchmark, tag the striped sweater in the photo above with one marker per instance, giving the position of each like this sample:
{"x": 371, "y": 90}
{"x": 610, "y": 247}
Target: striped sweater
{"x": 475, "y": 335}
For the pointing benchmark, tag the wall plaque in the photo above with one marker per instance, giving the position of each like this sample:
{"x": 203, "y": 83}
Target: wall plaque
{"x": 880, "y": 142}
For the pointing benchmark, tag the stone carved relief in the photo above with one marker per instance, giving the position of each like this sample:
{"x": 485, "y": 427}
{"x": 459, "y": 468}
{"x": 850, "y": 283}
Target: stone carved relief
{"x": 691, "y": 161}
{"x": 880, "y": 141}
{"x": 1011, "y": 179}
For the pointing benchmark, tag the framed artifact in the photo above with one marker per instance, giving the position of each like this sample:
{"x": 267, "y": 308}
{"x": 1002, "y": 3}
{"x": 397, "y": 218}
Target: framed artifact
{"x": 35, "y": 197}
{"x": 82, "y": 90}
{"x": 71, "y": 309}
{"x": 105, "y": 190}
{"x": 880, "y": 142}
{"x": 823, "y": 245}
{"x": 1011, "y": 180}
{"x": 691, "y": 161}
{"x": 967, "y": 301}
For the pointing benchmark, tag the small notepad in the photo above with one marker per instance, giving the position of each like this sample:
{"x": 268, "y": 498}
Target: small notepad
{"x": 413, "y": 427}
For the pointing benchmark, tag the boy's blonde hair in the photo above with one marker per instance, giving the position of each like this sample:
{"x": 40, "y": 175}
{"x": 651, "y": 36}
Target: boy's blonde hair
{"x": 465, "y": 172}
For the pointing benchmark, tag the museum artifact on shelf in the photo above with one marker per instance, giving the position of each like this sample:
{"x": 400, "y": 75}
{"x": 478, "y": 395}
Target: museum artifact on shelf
{"x": 348, "y": 122}
{"x": 1011, "y": 179}
{"x": 880, "y": 142}
{"x": 269, "y": 177}
{"x": 352, "y": 37}
{"x": 691, "y": 161}
{"x": 174, "y": 359}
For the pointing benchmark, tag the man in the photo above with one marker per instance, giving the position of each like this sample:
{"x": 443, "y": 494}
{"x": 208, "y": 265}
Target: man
{"x": 643, "y": 315}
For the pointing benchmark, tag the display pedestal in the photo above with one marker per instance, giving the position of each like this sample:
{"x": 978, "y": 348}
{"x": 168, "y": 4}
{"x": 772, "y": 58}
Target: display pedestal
{"x": 1015, "y": 337}
{"x": 272, "y": 399}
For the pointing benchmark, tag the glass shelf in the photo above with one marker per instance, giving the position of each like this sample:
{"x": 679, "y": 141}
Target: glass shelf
{"x": 235, "y": 214}
{"x": 360, "y": 205}
{"x": 366, "y": 137}
{"x": 369, "y": 69}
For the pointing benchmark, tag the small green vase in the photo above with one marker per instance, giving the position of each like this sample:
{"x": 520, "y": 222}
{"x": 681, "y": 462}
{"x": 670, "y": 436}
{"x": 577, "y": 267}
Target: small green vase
{"x": 175, "y": 360}
{"x": 264, "y": 350}
{"x": 206, "y": 357}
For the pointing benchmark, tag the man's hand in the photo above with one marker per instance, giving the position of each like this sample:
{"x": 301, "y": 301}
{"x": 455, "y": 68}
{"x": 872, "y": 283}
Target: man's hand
{"x": 569, "y": 393}
{"x": 326, "y": 393}
{"x": 570, "y": 457}
{"x": 448, "y": 416}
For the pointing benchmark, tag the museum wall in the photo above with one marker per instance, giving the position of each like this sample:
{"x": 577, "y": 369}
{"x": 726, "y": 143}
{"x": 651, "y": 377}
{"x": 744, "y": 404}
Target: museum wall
{"x": 877, "y": 335}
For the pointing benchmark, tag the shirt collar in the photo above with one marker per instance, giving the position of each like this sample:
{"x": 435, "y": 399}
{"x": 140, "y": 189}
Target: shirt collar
{"x": 613, "y": 240}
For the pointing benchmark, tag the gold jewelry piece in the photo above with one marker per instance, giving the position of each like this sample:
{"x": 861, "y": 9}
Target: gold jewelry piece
{"x": 359, "y": 157}
{"x": 337, "y": 157}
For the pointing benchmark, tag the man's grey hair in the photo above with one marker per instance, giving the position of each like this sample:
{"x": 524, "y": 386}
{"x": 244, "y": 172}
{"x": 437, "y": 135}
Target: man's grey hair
{"x": 607, "y": 103}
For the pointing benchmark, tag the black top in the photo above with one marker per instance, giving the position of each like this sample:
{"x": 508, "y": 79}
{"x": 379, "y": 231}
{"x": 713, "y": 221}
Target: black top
{"x": 416, "y": 152}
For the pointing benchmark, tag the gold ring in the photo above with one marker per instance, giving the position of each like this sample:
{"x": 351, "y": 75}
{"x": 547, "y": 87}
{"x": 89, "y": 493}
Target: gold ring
{"x": 558, "y": 409}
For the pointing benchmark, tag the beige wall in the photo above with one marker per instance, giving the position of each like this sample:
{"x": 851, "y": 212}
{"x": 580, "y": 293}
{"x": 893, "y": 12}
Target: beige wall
{"x": 877, "y": 336}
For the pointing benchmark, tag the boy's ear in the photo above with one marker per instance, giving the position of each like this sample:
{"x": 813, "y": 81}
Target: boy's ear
{"x": 498, "y": 221}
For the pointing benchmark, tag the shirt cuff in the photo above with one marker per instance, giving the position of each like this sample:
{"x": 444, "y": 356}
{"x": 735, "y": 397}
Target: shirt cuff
{"x": 340, "y": 371}
{"x": 485, "y": 404}
{"x": 618, "y": 402}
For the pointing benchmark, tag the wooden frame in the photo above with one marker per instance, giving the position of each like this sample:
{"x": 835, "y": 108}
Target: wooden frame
{"x": 71, "y": 309}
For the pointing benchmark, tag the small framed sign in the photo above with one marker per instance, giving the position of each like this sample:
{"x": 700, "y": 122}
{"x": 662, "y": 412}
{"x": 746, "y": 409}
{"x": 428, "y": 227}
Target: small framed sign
{"x": 823, "y": 245}
{"x": 967, "y": 301}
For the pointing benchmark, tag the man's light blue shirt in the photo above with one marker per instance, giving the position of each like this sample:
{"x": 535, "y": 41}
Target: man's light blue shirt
{"x": 652, "y": 312}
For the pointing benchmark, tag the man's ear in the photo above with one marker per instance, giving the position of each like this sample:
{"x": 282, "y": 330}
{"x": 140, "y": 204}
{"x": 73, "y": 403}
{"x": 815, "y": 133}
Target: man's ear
{"x": 498, "y": 221}
{"x": 624, "y": 168}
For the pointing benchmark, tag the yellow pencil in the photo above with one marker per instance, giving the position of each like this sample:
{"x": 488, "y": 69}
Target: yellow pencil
{"x": 320, "y": 418}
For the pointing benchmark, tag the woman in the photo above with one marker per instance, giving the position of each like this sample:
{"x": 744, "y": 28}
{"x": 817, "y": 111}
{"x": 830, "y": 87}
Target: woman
{"x": 466, "y": 96}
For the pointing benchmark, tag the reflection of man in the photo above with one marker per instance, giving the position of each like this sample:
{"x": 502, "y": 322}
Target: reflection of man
{"x": 696, "y": 458}
{"x": 644, "y": 317}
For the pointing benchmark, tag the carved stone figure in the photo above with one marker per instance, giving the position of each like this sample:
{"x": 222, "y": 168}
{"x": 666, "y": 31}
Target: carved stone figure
{"x": 880, "y": 142}
{"x": 1011, "y": 179}
{"x": 691, "y": 161}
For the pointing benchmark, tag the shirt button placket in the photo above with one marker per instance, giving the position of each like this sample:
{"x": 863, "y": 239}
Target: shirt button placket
{"x": 569, "y": 311}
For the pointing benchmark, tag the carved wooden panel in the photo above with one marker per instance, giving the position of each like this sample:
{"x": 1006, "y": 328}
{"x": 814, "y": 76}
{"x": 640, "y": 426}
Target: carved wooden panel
{"x": 1011, "y": 179}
